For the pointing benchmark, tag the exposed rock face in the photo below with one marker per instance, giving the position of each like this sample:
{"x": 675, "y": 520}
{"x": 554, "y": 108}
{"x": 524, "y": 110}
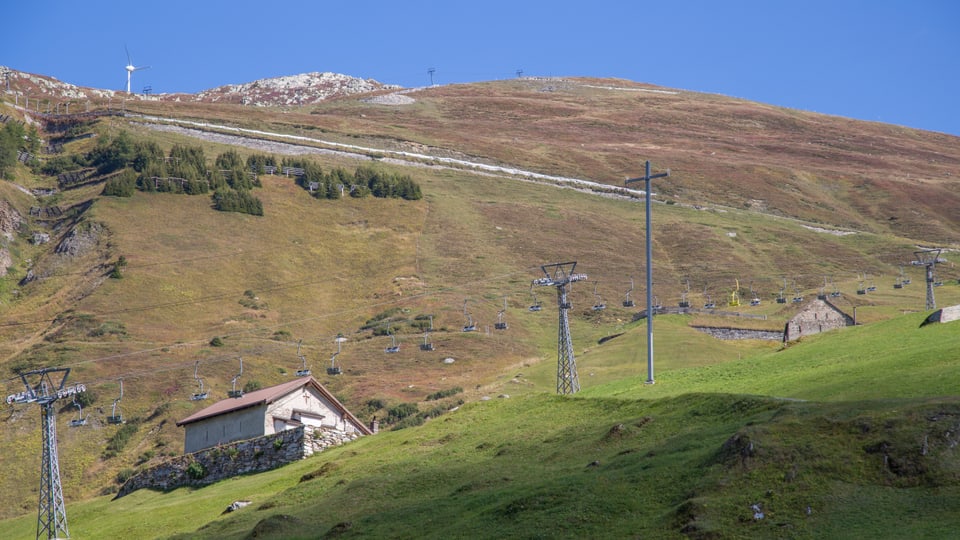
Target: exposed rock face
{"x": 303, "y": 89}
{"x": 34, "y": 85}
{"x": 81, "y": 239}
{"x": 10, "y": 221}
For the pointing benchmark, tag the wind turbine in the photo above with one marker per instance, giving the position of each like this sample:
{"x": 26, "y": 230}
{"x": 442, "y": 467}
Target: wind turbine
{"x": 131, "y": 68}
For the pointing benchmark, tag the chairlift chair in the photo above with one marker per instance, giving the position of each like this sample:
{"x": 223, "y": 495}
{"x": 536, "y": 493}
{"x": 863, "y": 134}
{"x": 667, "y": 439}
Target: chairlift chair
{"x": 426, "y": 345}
{"x": 200, "y": 394}
{"x": 115, "y": 416}
{"x": 797, "y": 297}
{"x": 501, "y": 324}
{"x": 234, "y": 393}
{"x": 735, "y": 296}
{"x": 470, "y": 326}
{"x": 627, "y": 301}
{"x": 536, "y": 305}
{"x": 79, "y": 420}
{"x": 334, "y": 369}
{"x": 599, "y": 305}
{"x": 709, "y": 304}
{"x": 684, "y": 303}
{"x": 304, "y": 371}
{"x": 393, "y": 348}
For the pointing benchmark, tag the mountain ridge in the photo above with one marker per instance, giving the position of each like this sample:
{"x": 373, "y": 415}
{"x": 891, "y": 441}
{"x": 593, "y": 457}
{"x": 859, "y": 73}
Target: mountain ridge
{"x": 299, "y": 89}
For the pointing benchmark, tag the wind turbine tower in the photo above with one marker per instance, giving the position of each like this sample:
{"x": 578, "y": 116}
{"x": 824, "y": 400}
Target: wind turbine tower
{"x": 131, "y": 68}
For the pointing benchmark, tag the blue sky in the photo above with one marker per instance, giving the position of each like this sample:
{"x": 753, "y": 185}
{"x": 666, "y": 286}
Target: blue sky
{"x": 887, "y": 61}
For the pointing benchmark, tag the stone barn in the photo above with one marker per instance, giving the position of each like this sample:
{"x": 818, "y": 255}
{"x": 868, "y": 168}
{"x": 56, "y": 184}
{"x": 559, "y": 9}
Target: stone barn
{"x": 818, "y": 315}
{"x": 300, "y": 402}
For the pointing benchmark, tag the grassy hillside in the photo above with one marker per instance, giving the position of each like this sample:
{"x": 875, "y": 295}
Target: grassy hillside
{"x": 756, "y": 198}
{"x": 689, "y": 465}
{"x": 722, "y": 151}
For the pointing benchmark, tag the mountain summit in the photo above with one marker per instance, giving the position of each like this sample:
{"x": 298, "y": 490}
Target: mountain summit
{"x": 302, "y": 89}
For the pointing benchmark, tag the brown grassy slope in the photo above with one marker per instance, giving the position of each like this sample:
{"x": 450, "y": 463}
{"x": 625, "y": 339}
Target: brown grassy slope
{"x": 323, "y": 267}
{"x": 825, "y": 169}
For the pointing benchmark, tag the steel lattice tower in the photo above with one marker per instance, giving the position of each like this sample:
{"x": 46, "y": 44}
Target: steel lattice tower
{"x": 52, "y": 514}
{"x": 929, "y": 258}
{"x": 561, "y": 275}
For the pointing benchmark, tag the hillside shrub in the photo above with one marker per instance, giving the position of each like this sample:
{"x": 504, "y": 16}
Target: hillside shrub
{"x": 444, "y": 393}
{"x": 216, "y": 342}
{"x": 124, "y": 475}
{"x": 229, "y": 200}
{"x": 120, "y": 439}
{"x": 85, "y": 398}
{"x": 122, "y": 185}
{"x": 410, "y": 421}
{"x": 252, "y": 386}
{"x": 196, "y": 470}
{"x": 401, "y": 411}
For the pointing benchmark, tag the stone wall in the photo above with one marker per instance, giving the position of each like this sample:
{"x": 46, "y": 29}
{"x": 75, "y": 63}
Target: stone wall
{"x": 739, "y": 333}
{"x": 241, "y": 457}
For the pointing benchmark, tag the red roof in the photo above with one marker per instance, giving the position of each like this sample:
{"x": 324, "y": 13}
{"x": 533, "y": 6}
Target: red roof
{"x": 265, "y": 396}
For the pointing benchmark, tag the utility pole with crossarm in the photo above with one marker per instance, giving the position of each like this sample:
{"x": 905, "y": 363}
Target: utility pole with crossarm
{"x": 646, "y": 195}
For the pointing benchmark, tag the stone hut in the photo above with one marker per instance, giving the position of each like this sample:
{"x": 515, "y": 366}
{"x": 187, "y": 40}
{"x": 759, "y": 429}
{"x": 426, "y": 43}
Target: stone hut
{"x": 818, "y": 315}
{"x": 300, "y": 402}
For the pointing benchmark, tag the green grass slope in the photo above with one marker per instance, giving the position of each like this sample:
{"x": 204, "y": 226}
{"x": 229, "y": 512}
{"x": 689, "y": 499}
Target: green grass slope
{"x": 318, "y": 268}
{"x": 893, "y": 358}
{"x": 871, "y": 462}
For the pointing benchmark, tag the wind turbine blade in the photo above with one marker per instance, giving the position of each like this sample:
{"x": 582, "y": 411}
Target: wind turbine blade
{"x": 129, "y": 61}
{"x": 141, "y": 67}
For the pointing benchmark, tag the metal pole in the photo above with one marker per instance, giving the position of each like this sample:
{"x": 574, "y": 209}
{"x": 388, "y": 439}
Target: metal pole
{"x": 646, "y": 182}
{"x": 646, "y": 178}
